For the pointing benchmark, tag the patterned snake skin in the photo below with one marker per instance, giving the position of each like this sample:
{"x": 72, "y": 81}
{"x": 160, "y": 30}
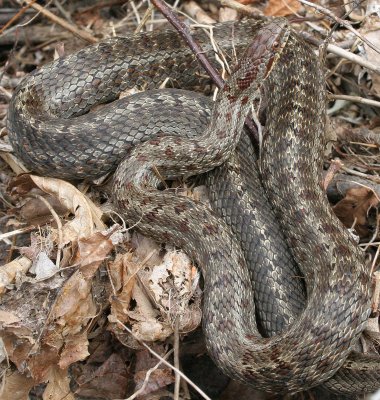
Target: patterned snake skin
{"x": 51, "y": 132}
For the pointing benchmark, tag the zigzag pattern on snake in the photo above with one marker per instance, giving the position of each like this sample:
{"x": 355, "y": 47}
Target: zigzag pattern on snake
{"x": 317, "y": 341}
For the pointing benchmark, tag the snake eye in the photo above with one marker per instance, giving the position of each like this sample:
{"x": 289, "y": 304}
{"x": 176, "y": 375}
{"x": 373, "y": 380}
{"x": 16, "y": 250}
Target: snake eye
{"x": 276, "y": 44}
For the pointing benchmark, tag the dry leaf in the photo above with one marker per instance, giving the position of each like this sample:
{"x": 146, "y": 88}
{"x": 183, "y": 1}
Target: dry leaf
{"x": 227, "y": 14}
{"x": 174, "y": 283}
{"x": 109, "y": 381}
{"x": 371, "y": 31}
{"x": 16, "y": 386}
{"x": 282, "y": 8}
{"x": 44, "y": 329}
{"x": 43, "y": 267}
{"x": 58, "y": 387}
{"x": 8, "y": 272}
{"x": 23, "y": 318}
{"x": 158, "y": 378}
{"x": 76, "y": 348}
{"x": 195, "y": 11}
{"x": 143, "y": 317}
{"x": 123, "y": 283}
{"x": 355, "y": 207}
{"x": 87, "y": 215}
{"x": 14, "y": 163}
{"x": 75, "y": 307}
{"x": 35, "y": 211}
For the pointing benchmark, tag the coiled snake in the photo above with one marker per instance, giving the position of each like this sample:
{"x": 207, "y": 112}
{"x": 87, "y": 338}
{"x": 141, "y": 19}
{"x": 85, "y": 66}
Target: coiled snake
{"x": 50, "y": 134}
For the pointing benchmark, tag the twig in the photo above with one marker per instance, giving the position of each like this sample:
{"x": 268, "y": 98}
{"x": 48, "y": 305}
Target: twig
{"x": 16, "y": 16}
{"x": 361, "y": 174}
{"x": 6, "y": 235}
{"x": 100, "y": 4}
{"x": 197, "y": 50}
{"x": 177, "y": 382}
{"x": 135, "y": 11}
{"x": 147, "y": 376}
{"x": 342, "y": 53}
{"x": 376, "y": 292}
{"x": 59, "y": 226}
{"x": 145, "y": 18}
{"x": 71, "y": 28}
{"x": 355, "y": 99}
{"x": 63, "y": 11}
{"x": 183, "y": 30}
{"x": 243, "y": 9}
{"x": 183, "y": 376}
{"x": 6, "y": 241}
{"x": 340, "y": 21}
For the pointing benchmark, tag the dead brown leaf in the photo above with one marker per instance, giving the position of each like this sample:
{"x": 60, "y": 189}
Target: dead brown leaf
{"x": 371, "y": 31}
{"x": 41, "y": 329}
{"x": 58, "y": 387}
{"x": 354, "y": 208}
{"x": 75, "y": 348}
{"x": 161, "y": 294}
{"x": 87, "y": 216}
{"x": 8, "y": 272}
{"x": 109, "y": 381}
{"x": 22, "y": 321}
{"x": 35, "y": 211}
{"x": 123, "y": 283}
{"x": 144, "y": 316}
{"x": 281, "y": 8}
{"x": 157, "y": 378}
{"x": 16, "y": 386}
{"x": 74, "y": 307}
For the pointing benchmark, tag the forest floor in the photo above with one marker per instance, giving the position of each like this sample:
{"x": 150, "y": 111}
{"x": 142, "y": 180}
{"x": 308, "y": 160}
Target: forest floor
{"x": 93, "y": 310}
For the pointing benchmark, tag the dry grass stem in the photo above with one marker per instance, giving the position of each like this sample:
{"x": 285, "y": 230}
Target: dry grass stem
{"x": 64, "y": 24}
{"x": 182, "y": 375}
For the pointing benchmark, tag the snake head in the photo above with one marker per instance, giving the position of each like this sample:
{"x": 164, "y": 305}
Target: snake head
{"x": 261, "y": 55}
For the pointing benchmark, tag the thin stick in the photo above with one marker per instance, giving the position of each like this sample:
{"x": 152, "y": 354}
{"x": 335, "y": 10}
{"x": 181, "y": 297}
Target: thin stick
{"x": 63, "y": 11}
{"x": 355, "y": 99}
{"x": 246, "y": 10}
{"x": 376, "y": 292}
{"x": 183, "y": 30}
{"x": 331, "y": 48}
{"x": 361, "y": 174}
{"x": 342, "y": 53}
{"x": 183, "y": 376}
{"x": 199, "y": 53}
{"x": 71, "y": 28}
{"x": 147, "y": 376}
{"x": 177, "y": 382}
{"x": 340, "y": 21}
{"x": 145, "y": 18}
{"x": 16, "y": 232}
{"x": 16, "y": 16}
{"x": 59, "y": 227}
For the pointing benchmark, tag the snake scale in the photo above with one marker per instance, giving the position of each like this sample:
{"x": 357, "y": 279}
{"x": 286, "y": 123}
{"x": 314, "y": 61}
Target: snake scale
{"x": 53, "y": 134}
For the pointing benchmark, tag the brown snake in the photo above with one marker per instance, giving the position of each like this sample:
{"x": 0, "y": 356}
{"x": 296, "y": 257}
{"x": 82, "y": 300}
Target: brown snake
{"x": 316, "y": 344}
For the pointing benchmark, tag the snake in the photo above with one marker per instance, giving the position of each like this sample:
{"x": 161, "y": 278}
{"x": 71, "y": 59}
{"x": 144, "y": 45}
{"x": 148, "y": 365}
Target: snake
{"x": 298, "y": 342}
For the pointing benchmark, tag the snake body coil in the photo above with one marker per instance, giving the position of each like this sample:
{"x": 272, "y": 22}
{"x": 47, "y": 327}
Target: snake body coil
{"x": 316, "y": 344}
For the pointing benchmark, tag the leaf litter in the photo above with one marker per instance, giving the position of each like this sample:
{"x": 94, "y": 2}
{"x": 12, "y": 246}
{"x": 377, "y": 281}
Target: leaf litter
{"x": 60, "y": 326}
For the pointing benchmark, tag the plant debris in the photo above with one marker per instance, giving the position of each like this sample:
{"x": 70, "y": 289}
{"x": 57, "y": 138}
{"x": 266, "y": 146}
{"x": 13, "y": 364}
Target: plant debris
{"x": 80, "y": 291}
